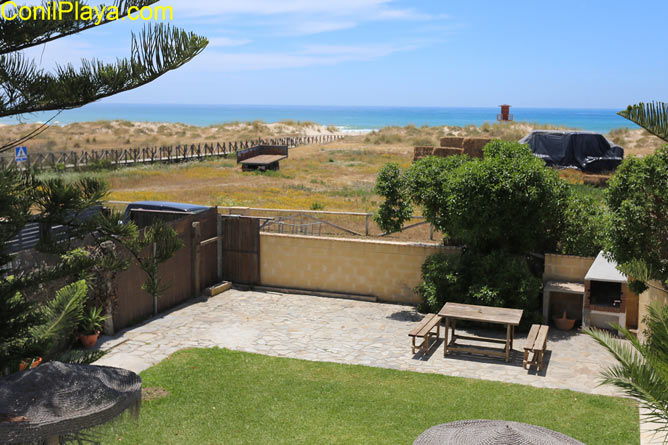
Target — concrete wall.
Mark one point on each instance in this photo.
(384, 269)
(566, 267)
(653, 294)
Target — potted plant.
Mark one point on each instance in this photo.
(91, 323)
(30, 363)
(564, 323)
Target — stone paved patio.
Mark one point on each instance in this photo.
(343, 331)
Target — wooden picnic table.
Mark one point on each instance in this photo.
(452, 312)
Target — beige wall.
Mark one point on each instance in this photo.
(384, 269)
(654, 293)
(566, 267)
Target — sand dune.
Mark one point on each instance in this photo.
(125, 134)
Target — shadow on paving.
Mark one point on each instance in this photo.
(516, 356)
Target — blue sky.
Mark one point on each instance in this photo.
(586, 53)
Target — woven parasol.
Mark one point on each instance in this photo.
(491, 432)
(56, 400)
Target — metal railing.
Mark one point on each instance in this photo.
(321, 222)
(309, 218)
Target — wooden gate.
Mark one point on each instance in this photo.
(241, 249)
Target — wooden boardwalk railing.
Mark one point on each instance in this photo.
(149, 155)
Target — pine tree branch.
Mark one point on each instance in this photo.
(653, 117)
(26, 137)
(157, 50)
(16, 35)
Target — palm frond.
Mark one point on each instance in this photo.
(62, 315)
(653, 117)
(25, 88)
(642, 369)
(81, 357)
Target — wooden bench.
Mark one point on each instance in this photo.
(536, 344)
(426, 330)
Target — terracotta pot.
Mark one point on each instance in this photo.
(32, 364)
(563, 323)
(89, 341)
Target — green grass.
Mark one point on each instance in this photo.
(219, 396)
(598, 193)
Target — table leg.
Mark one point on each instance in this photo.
(512, 337)
(445, 341)
(508, 342)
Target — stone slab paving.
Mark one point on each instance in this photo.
(343, 331)
(648, 431)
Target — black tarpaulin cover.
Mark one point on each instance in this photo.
(586, 151)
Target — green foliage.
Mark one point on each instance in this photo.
(502, 208)
(155, 51)
(17, 317)
(81, 356)
(61, 203)
(638, 273)
(495, 279)
(61, 317)
(164, 242)
(395, 210)
(100, 165)
(16, 198)
(653, 117)
(26, 328)
(317, 205)
(509, 200)
(21, 34)
(45, 329)
(642, 369)
(637, 197)
(584, 226)
(92, 321)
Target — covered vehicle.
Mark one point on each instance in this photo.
(586, 151)
(163, 206)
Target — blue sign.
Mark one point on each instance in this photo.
(21, 154)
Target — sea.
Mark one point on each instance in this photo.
(346, 118)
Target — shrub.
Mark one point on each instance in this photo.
(317, 205)
(495, 279)
(395, 210)
(584, 227)
(637, 196)
(509, 200)
(101, 165)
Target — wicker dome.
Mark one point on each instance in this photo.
(492, 432)
(57, 399)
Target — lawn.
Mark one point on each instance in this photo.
(217, 396)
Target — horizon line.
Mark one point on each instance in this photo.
(356, 106)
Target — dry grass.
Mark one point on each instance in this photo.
(334, 177)
(635, 142)
(125, 134)
(338, 176)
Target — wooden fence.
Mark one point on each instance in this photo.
(149, 155)
(192, 268)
